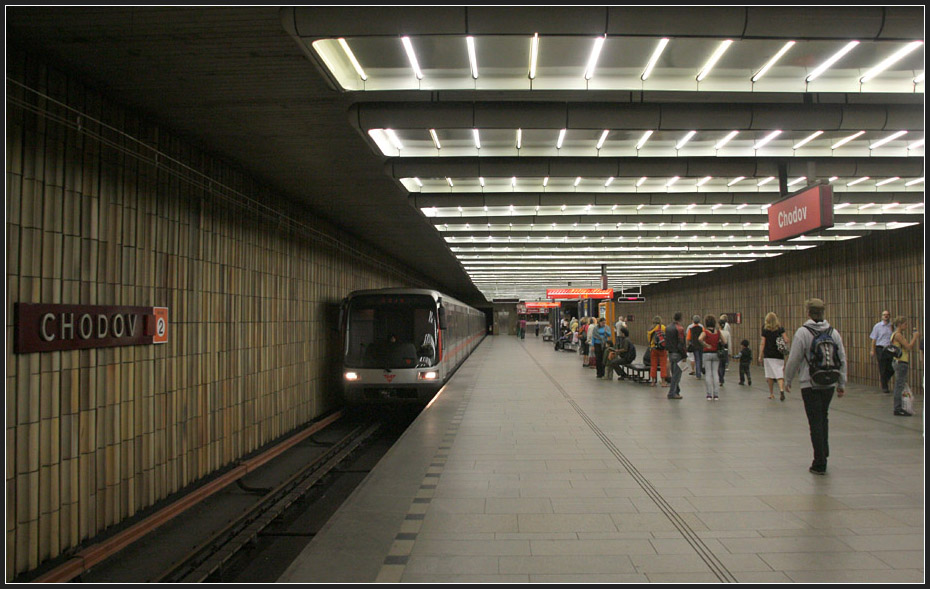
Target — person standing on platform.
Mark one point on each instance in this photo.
(710, 346)
(745, 362)
(537, 327)
(675, 341)
(725, 343)
(591, 360)
(601, 338)
(694, 348)
(902, 364)
(657, 351)
(816, 396)
(773, 357)
(881, 339)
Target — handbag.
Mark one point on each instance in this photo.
(782, 345)
(893, 351)
(907, 399)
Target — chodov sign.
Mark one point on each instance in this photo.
(808, 210)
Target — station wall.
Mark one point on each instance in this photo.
(105, 207)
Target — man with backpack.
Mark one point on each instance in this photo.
(818, 354)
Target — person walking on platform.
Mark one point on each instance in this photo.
(745, 362)
(772, 353)
(710, 346)
(601, 337)
(675, 340)
(817, 365)
(694, 348)
(901, 365)
(725, 344)
(881, 339)
(657, 351)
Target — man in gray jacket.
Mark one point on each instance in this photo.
(816, 397)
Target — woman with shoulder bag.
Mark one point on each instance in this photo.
(773, 347)
(710, 344)
(899, 340)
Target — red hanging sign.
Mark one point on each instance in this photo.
(809, 210)
(579, 293)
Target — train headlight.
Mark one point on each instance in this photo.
(351, 376)
(429, 375)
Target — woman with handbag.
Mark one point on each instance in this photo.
(901, 365)
(710, 344)
(773, 347)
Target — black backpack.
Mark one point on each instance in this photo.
(824, 359)
(630, 355)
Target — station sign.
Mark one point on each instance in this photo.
(542, 305)
(630, 299)
(579, 293)
(49, 328)
(808, 210)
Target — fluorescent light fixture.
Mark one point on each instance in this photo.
(870, 223)
(864, 207)
(916, 144)
(807, 139)
(481, 181)
(890, 205)
(846, 140)
(417, 180)
(474, 132)
(655, 58)
(726, 139)
(742, 206)
(833, 59)
(915, 181)
(513, 182)
(891, 60)
(735, 180)
(772, 61)
(914, 206)
(891, 137)
(395, 140)
(449, 180)
(888, 181)
(714, 58)
(534, 55)
(639, 207)
(919, 79)
(600, 142)
(685, 139)
(472, 58)
(519, 138)
(691, 206)
(351, 56)
(854, 182)
(595, 53)
(558, 143)
(545, 181)
(765, 181)
(765, 140)
(412, 57)
(672, 181)
(797, 180)
(640, 181)
(841, 206)
(850, 224)
(643, 139)
(577, 181)
(432, 133)
(704, 180)
(665, 206)
(833, 179)
(716, 206)
(606, 184)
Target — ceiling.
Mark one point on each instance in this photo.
(529, 148)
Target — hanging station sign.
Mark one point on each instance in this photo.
(579, 293)
(809, 210)
(49, 328)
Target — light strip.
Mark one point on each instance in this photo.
(655, 58)
(558, 144)
(595, 53)
(432, 133)
(915, 181)
(480, 181)
(797, 181)
(726, 139)
(843, 142)
(643, 139)
(534, 55)
(835, 58)
(919, 78)
(713, 59)
(609, 180)
(735, 180)
(640, 181)
(408, 47)
(600, 142)
(472, 58)
(772, 61)
(394, 139)
(841, 206)
(519, 138)
(854, 182)
(915, 145)
(672, 181)
(577, 181)
(351, 56)
(475, 133)
(765, 181)
(807, 139)
(888, 181)
(704, 180)
(891, 137)
(449, 180)
(894, 58)
(685, 139)
(765, 140)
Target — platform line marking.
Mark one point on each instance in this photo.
(705, 553)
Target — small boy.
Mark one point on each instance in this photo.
(745, 360)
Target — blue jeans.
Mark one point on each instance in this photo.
(698, 363)
(900, 379)
(674, 358)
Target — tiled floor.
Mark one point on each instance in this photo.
(529, 469)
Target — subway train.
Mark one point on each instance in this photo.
(401, 345)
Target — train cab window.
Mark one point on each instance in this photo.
(386, 331)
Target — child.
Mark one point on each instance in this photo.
(745, 360)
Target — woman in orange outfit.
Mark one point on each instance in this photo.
(658, 351)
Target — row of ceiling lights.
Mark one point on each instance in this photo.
(395, 141)
(598, 45)
(702, 181)
(592, 209)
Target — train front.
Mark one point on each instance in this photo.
(391, 349)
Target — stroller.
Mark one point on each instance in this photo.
(547, 333)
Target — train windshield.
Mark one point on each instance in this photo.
(391, 331)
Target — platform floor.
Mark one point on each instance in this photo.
(527, 468)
